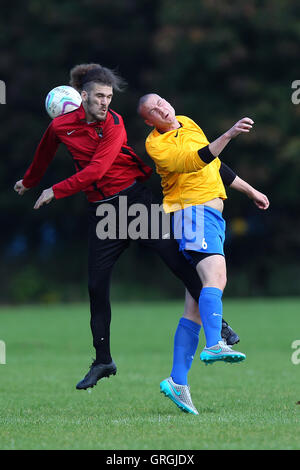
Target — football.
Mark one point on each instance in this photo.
(61, 100)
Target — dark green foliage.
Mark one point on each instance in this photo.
(217, 62)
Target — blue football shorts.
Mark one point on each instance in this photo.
(199, 231)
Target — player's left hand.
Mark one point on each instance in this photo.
(20, 188)
(242, 126)
(260, 200)
(46, 197)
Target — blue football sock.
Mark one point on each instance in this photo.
(185, 345)
(210, 307)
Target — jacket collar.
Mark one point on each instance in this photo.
(81, 113)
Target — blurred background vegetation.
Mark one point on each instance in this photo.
(217, 61)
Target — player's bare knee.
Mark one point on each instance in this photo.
(223, 281)
(218, 280)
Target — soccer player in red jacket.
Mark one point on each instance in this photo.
(106, 168)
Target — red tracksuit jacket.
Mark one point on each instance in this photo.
(104, 162)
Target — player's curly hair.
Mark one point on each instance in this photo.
(83, 75)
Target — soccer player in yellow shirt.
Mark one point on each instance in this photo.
(194, 194)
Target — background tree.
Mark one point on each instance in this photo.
(217, 61)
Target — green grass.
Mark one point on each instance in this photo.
(251, 405)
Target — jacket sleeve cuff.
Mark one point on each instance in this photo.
(56, 192)
(27, 186)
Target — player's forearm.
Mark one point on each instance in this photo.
(242, 126)
(34, 174)
(242, 186)
(84, 178)
(218, 145)
(259, 199)
(93, 172)
(42, 158)
(76, 183)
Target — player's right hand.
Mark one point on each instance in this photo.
(260, 199)
(20, 188)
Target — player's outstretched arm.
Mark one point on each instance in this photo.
(20, 188)
(259, 199)
(179, 160)
(242, 126)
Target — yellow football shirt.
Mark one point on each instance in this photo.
(186, 180)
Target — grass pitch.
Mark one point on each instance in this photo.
(251, 405)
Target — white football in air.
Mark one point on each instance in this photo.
(61, 100)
